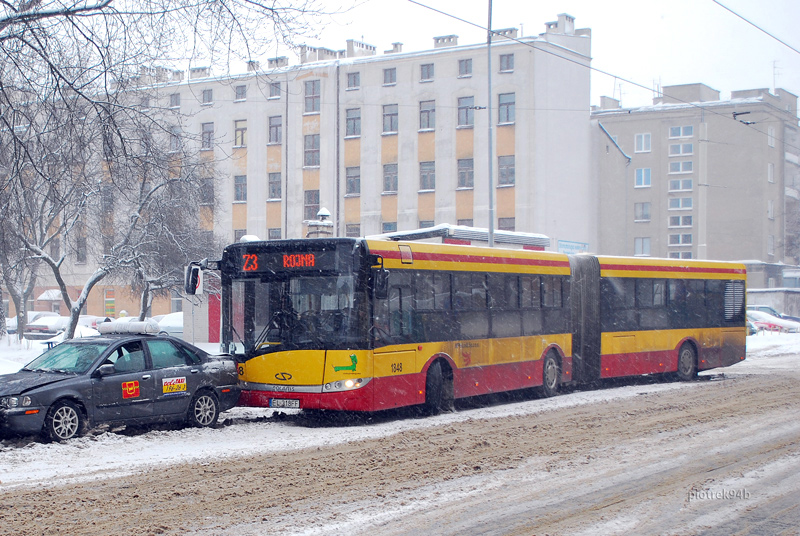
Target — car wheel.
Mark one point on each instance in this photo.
(64, 421)
(204, 410)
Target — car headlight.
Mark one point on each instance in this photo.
(15, 402)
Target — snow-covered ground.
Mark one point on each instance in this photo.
(28, 462)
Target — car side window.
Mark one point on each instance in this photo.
(129, 357)
(164, 354)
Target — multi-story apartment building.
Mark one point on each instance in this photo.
(703, 177)
(400, 141)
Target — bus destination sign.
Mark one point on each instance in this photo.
(278, 261)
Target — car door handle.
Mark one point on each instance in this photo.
(194, 371)
(146, 377)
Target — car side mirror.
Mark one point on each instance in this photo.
(105, 370)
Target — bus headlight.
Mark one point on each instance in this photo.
(345, 385)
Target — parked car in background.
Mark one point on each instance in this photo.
(45, 327)
(127, 375)
(33, 316)
(769, 310)
(768, 322)
(172, 324)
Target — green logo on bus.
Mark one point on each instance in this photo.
(352, 366)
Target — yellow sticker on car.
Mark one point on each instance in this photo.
(173, 385)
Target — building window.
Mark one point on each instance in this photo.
(55, 248)
(80, 250)
(466, 173)
(641, 247)
(466, 111)
(681, 149)
(174, 139)
(642, 143)
(427, 175)
(353, 175)
(353, 80)
(684, 239)
(641, 212)
(390, 178)
(680, 203)
(389, 77)
(680, 221)
(506, 224)
(389, 118)
(274, 90)
(311, 155)
(680, 185)
(389, 227)
(506, 63)
(681, 132)
(311, 204)
(770, 172)
(240, 188)
(424, 224)
(680, 254)
(207, 136)
(274, 233)
(312, 96)
(465, 222)
(506, 108)
(353, 122)
(685, 166)
(207, 97)
(175, 100)
(352, 230)
(464, 68)
(506, 173)
(238, 234)
(240, 93)
(274, 186)
(207, 191)
(426, 72)
(642, 178)
(427, 115)
(771, 209)
(771, 136)
(240, 133)
(771, 245)
(275, 129)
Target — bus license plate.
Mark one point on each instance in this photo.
(284, 403)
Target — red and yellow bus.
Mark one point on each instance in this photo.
(367, 325)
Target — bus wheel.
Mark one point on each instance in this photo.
(434, 389)
(550, 375)
(687, 363)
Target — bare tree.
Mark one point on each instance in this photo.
(80, 142)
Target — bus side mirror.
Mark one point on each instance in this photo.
(381, 284)
(191, 283)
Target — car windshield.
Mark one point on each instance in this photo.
(67, 357)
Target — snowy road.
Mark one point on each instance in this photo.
(646, 459)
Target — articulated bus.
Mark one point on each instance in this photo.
(367, 325)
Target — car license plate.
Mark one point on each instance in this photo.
(284, 403)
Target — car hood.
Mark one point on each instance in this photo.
(23, 381)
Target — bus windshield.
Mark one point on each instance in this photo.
(299, 311)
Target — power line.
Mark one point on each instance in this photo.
(756, 26)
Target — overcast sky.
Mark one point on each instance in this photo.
(647, 42)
